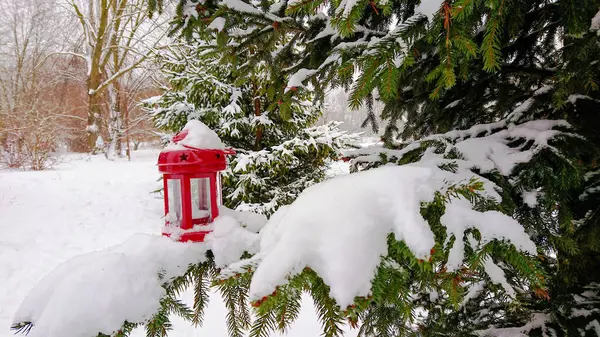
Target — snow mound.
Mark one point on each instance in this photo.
(251, 221)
(339, 229)
(200, 136)
(229, 240)
(96, 292)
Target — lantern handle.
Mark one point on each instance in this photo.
(180, 136)
(225, 151)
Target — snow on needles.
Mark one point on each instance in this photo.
(492, 225)
(218, 23)
(344, 234)
(299, 77)
(95, 292)
(339, 229)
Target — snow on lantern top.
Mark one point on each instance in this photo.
(195, 149)
(197, 135)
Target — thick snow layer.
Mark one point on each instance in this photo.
(73, 301)
(253, 222)
(230, 240)
(343, 236)
(485, 147)
(339, 228)
(100, 290)
(491, 224)
(473, 292)
(200, 136)
(84, 205)
(88, 204)
(594, 325)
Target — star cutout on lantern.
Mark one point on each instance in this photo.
(183, 157)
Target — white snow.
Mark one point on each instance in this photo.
(530, 198)
(594, 325)
(200, 136)
(85, 205)
(300, 76)
(343, 236)
(345, 7)
(589, 191)
(584, 312)
(538, 320)
(72, 301)
(520, 110)
(574, 97)
(218, 24)
(92, 128)
(493, 153)
(276, 7)
(496, 274)
(329, 30)
(241, 6)
(453, 104)
(492, 225)
(473, 292)
(595, 26)
(253, 222)
(230, 240)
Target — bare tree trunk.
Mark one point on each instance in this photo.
(93, 122)
(115, 122)
(128, 149)
(114, 31)
(95, 73)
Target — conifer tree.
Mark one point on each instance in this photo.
(456, 64)
(499, 97)
(279, 150)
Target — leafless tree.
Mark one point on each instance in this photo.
(30, 111)
(118, 37)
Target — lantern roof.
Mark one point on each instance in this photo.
(196, 149)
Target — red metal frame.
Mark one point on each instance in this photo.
(189, 163)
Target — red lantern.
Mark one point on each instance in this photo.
(192, 187)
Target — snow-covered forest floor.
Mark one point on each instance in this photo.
(88, 204)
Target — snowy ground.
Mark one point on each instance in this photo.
(88, 204)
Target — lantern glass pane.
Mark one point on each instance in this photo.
(174, 196)
(200, 188)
